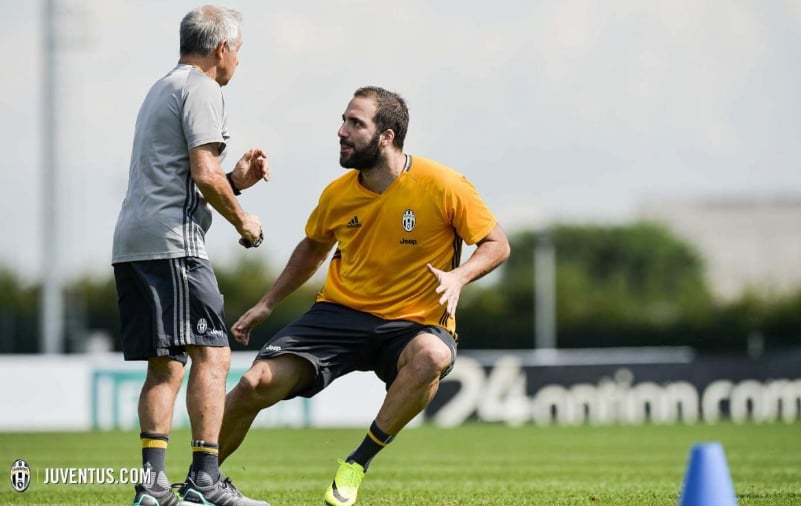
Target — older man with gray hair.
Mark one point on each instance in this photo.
(169, 301)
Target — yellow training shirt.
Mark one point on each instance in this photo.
(385, 241)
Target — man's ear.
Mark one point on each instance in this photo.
(388, 135)
(221, 49)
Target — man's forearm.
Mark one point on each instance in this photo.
(486, 258)
(218, 193)
(491, 252)
(304, 262)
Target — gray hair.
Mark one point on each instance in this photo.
(203, 28)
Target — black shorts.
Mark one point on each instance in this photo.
(338, 340)
(168, 304)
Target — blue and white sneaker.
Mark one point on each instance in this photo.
(155, 496)
(221, 493)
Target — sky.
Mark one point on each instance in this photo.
(557, 110)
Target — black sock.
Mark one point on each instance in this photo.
(154, 453)
(205, 465)
(373, 442)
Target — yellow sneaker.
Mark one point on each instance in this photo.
(342, 491)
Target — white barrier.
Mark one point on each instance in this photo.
(81, 392)
(100, 391)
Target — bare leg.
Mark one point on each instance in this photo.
(264, 384)
(157, 400)
(205, 393)
(156, 403)
(419, 367)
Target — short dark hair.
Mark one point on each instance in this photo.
(391, 111)
(203, 28)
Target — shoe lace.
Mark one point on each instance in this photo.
(349, 476)
(228, 484)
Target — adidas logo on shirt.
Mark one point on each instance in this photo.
(354, 222)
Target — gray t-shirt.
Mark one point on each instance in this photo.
(164, 215)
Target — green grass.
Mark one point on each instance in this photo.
(470, 465)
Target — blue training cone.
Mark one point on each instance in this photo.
(707, 482)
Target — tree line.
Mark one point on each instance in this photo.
(626, 285)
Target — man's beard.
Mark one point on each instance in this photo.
(362, 159)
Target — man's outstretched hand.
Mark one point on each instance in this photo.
(250, 169)
(245, 324)
(450, 286)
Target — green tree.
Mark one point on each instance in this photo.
(19, 314)
(782, 324)
(630, 285)
(615, 285)
(91, 305)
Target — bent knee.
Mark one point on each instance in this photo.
(252, 390)
(271, 380)
(281, 373)
(257, 378)
(434, 359)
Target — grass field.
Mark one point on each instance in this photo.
(470, 465)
